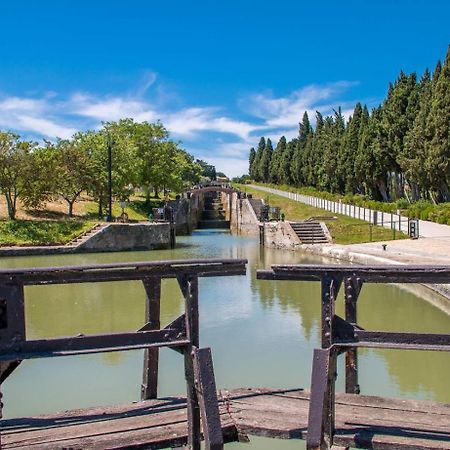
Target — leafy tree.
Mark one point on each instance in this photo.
(14, 164)
(74, 172)
(208, 170)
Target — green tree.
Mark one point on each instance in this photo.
(251, 161)
(414, 156)
(438, 129)
(74, 172)
(258, 158)
(276, 161)
(264, 163)
(348, 150)
(14, 164)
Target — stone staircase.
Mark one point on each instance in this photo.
(310, 232)
(213, 215)
(97, 228)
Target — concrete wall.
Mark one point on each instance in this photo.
(243, 217)
(131, 236)
(280, 235)
(187, 212)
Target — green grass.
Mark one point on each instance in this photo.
(344, 230)
(137, 209)
(41, 232)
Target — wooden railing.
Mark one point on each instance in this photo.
(345, 336)
(181, 335)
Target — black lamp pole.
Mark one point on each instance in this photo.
(110, 144)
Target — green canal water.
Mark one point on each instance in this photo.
(262, 333)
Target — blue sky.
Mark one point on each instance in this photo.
(218, 74)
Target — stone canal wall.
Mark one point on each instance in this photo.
(115, 237)
(187, 213)
(129, 236)
(280, 235)
(243, 217)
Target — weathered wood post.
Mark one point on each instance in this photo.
(189, 287)
(352, 289)
(323, 376)
(149, 388)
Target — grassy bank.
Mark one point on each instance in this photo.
(344, 230)
(41, 232)
(421, 209)
(52, 226)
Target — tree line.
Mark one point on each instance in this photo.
(142, 156)
(401, 149)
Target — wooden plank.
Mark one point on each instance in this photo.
(149, 387)
(122, 271)
(207, 395)
(361, 421)
(370, 274)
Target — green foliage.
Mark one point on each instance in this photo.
(15, 168)
(243, 179)
(31, 232)
(398, 152)
(344, 230)
(142, 155)
(207, 170)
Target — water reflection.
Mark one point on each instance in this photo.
(262, 333)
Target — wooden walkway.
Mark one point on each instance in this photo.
(361, 421)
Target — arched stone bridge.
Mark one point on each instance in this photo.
(204, 189)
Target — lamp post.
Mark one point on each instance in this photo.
(109, 145)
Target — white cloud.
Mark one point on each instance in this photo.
(109, 108)
(29, 115)
(190, 121)
(220, 138)
(232, 167)
(288, 111)
(17, 104)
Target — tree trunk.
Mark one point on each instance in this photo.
(156, 192)
(11, 203)
(70, 207)
(415, 192)
(445, 193)
(100, 206)
(381, 185)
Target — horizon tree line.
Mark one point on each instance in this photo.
(400, 149)
(143, 156)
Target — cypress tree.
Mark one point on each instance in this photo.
(257, 161)
(251, 161)
(349, 149)
(264, 162)
(438, 128)
(276, 162)
(286, 162)
(414, 155)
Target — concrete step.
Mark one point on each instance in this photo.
(309, 232)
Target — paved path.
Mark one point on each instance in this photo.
(426, 229)
(433, 247)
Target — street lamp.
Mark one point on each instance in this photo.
(109, 144)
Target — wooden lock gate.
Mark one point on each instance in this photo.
(345, 336)
(182, 335)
